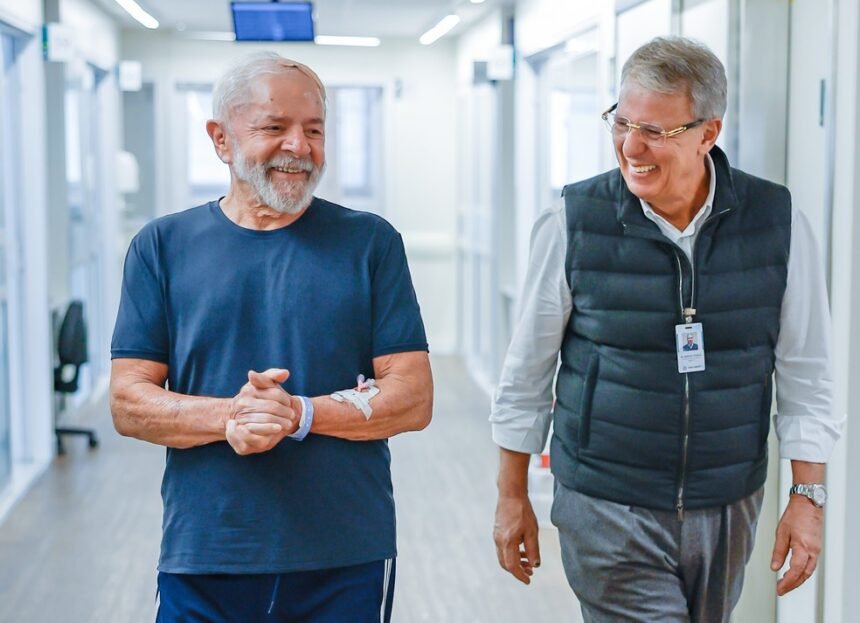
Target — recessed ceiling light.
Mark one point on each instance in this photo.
(364, 42)
(439, 30)
(133, 8)
(209, 35)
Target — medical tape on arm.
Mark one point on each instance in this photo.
(359, 397)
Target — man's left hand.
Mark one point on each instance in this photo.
(799, 531)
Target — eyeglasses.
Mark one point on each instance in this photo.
(652, 134)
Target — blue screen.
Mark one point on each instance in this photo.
(273, 21)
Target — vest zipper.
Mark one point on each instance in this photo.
(686, 314)
(684, 448)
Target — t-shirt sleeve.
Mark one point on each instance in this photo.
(141, 325)
(397, 323)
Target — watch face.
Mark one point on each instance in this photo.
(819, 495)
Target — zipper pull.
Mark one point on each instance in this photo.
(680, 507)
(689, 312)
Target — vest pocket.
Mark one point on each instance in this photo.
(587, 398)
(764, 410)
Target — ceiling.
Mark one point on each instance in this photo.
(369, 18)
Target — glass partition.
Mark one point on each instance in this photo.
(9, 177)
(84, 163)
(573, 144)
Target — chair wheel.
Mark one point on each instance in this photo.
(93, 442)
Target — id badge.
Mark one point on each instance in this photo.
(690, 346)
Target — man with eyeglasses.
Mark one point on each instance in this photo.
(660, 451)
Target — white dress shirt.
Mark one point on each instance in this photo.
(805, 423)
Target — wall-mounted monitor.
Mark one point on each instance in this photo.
(273, 21)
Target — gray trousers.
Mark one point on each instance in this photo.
(629, 564)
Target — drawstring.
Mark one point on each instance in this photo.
(274, 593)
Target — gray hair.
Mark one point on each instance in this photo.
(234, 87)
(672, 65)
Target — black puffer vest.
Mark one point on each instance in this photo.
(627, 426)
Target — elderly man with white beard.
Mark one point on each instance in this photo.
(272, 342)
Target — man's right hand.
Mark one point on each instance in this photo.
(516, 536)
(516, 529)
(262, 413)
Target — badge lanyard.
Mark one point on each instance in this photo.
(689, 342)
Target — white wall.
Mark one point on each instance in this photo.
(542, 24)
(478, 44)
(419, 139)
(95, 34)
(841, 564)
(24, 15)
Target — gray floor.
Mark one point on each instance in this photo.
(82, 546)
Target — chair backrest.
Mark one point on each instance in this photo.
(72, 339)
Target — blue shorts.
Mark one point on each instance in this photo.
(358, 594)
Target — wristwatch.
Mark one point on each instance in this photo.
(816, 493)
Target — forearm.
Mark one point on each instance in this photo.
(513, 473)
(401, 405)
(804, 472)
(145, 411)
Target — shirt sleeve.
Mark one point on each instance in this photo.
(397, 323)
(141, 329)
(522, 402)
(805, 423)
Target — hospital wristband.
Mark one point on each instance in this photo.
(306, 419)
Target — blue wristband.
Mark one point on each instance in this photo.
(306, 420)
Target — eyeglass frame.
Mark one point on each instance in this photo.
(666, 134)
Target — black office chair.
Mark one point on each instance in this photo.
(71, 355)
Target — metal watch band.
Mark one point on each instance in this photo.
(815, 492)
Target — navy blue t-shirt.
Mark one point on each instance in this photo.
(321, 297)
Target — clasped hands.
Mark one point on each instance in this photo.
(262, 413)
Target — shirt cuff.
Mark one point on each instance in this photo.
(803, 438)
(529, 441)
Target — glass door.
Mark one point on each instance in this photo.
(8, 253)
(86, 254)
(573, 146)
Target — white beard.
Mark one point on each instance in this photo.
(284, 197)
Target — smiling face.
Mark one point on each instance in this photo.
(672, 177)
(275, 142)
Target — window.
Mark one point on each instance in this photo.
(354, 119)
(354, 148)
